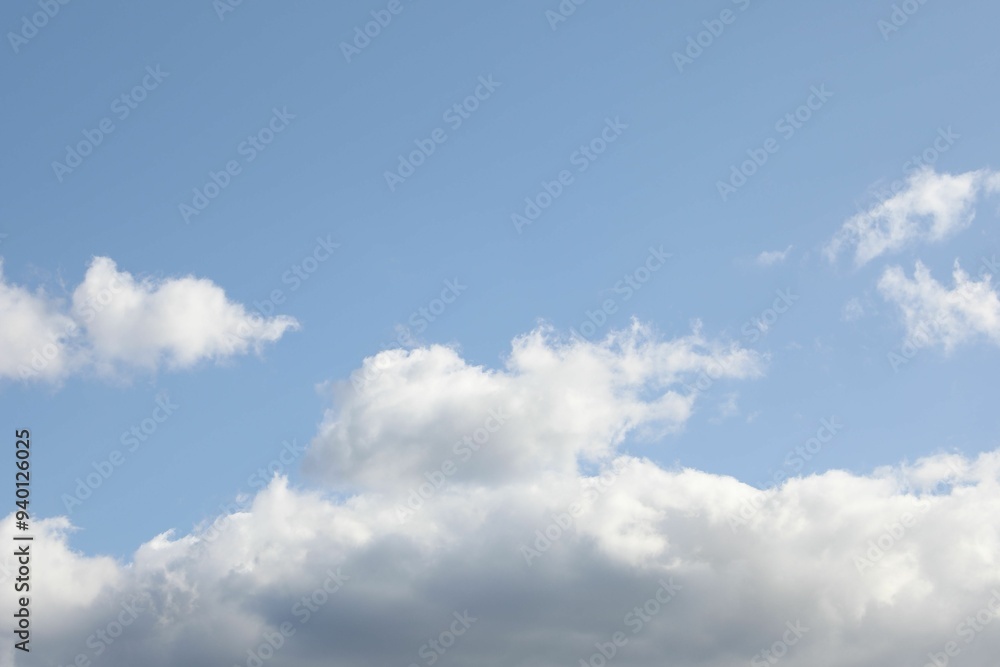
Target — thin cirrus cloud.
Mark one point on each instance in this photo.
(935, 315)
(878, 568)
(114, 324)
(931, 208)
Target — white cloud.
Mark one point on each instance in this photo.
(877, 569)
(881, 569)
(772, 257)
(935, 315)
(853, 310)
(931, 208)
(555, 401)
(730, 407)
(115, 324)
(33, 328)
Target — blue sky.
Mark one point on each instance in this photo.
(344, 122)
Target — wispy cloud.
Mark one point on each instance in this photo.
(936, 315)
(772, 257)
(931, 208)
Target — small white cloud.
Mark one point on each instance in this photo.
(853, 310)
(935, 315)
(772, 257)
(116, 324)
(931, 208)
(731, 406)
(176, 322)
(728, 408)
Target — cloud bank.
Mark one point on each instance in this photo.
(592, 555)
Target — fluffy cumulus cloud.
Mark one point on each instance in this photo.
(114, 323)
(555, 403)
(868, 570)
(573, 561)
(935, 315)
(33, 326)
(930, 208)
